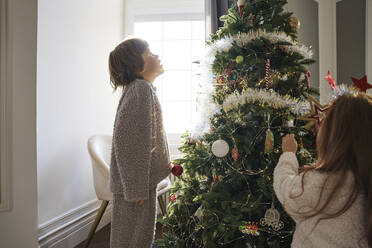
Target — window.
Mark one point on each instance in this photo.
(179, 40)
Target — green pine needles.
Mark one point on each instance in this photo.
(260, 86)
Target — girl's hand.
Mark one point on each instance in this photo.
(289, 143)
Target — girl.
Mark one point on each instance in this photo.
(331, 201)
(139, 158)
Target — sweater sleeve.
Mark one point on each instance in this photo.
(133, 141)
(288, 186)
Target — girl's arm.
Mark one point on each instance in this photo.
(295, 193)
(133, 141)
(288, 183)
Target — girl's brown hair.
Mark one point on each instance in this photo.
(344, 143)
(126, 63)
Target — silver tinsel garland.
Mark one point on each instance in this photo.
(207, 107)
(344, 89)
(268, 97)
(242, 39)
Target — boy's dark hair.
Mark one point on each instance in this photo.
(125, 62)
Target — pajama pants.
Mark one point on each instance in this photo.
(133, 225)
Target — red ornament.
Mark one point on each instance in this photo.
(307, 76)
(220, 79)
(229, 69)
(319, 114)
(177, 170)
(172, 198)
(241, 6)
(249, 226)
(284, 49)
(362, 84)
(214, 176)
(331, 81)
(252, 229)
(214, 179)
(235, 153)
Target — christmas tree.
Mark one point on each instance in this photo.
(260, 87)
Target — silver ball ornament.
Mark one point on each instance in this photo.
(220, 148)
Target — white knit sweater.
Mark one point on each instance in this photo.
(345, 231)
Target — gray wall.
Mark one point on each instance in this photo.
(307, 12)
(18, 227)
(351, 50)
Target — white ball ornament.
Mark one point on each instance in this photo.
(220, 148)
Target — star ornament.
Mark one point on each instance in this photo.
(318, 112)
(331, 80)
(361, 84)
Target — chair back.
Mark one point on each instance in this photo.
(99, 147)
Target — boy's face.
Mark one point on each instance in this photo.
(152, 64)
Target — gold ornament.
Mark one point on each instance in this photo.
(198, 144)
(199, 213)
(273, 79)
(294, 22)
(269, 141)
(317, 113)
(272, 219)
(239, 59)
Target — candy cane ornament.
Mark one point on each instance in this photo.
(241, 6)
(267, 73)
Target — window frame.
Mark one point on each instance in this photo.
(5, 113)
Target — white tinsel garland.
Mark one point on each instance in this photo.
(344, 89)
(224, 44)
(251, 95)
(207, 107)
(269, 97)
(273, 37)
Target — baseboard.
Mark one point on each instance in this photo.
(72, 228)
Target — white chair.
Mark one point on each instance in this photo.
(99, 147)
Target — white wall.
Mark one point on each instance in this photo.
(18, 227)
(74, 97)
